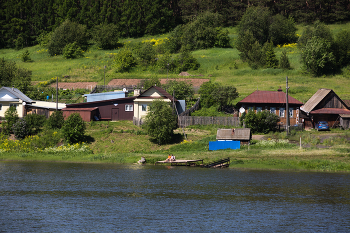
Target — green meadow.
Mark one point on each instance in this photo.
(219, 64)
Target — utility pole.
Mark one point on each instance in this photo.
(56, 94)
(104, 74)
(287, 107)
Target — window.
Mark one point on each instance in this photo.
(0, 106)
(290, 112)
(273, 110)
(281, 112)
(129, 107)
(144, 107)
(258, 109)
(250, 109)
(13, 105)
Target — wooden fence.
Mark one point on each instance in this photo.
(192, 109)
(185, 121)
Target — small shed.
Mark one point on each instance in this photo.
(231, 139)
(87, 114)
(345, 121)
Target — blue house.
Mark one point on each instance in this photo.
(230, 139)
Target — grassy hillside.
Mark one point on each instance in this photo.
(221, 65)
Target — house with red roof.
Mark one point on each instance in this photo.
(273, 101)
(325, 105)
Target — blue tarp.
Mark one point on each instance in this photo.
(221, 145)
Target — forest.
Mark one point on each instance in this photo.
(22, 22)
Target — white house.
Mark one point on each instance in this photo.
(142, 102)
(13, 97)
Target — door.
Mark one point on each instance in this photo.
(115, 114)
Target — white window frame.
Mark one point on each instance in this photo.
(14, 105)
(273, 110)
(129, 108)
(282, 112)
(144, 107)
(258, 109)
(290, 112)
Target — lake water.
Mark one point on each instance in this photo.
(66, 197)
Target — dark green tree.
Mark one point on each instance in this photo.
(225, 95)
(146, 54)
(106, 36)
(34, 123)
(269, 56)
(282, 30)
(284, 61)
(260, 122)
(67, 33)
(11, 75)
(185, 61)
(207, 94)
(160, 122)
(150, 82)
(342, 48)
(74, 128)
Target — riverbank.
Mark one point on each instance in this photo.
(123, 143)
(327, 160)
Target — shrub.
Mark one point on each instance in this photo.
(146, 54)
(284, 61)
(11, 118)
(282, 30)
(20, 129)
(261, 122)
(185, 61)
(34, 123)
(124, 61)
(25, 56)
(106, 36)
(74, 128)
(183, 90)
(72, 51)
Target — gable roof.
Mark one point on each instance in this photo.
(269, 97)
(17, 93)
(312, 103)
(233, 134)
(158, 89)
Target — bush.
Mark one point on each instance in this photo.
(146, 54)
(106, 36)
(56, 120)
(261, 122)
(284, 61)
(124, 61)
(211, 111)
(185, 61)
(72, 51)
(34, 123)
(11, 118)
(25, 56)
(74, 128)
(20, 129)
(67, 33)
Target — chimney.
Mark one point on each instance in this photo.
(279, 89)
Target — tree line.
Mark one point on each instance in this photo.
(22, 22)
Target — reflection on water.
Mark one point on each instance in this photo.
(94, 197)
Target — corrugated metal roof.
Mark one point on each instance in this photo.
(315, 99)
(347, 102)
(18, 93)
(330, 111)
(233, 134)
(102, 101)
(269, 97)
